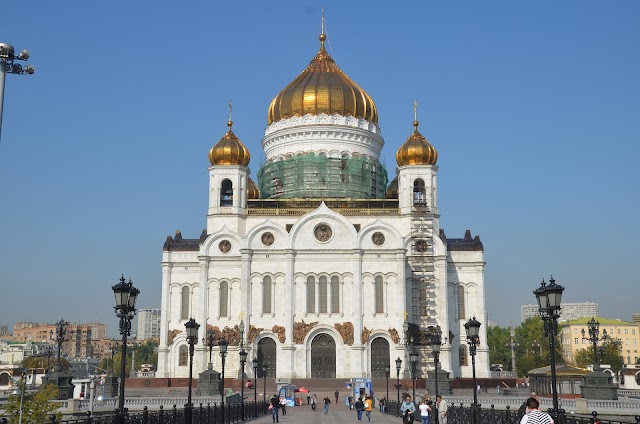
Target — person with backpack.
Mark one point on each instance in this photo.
(274, 404)
(326, 401)
(408, 409)
(359, 408)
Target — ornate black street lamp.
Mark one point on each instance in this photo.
(60, 336)
(126, 295)
(594, 338)
(243, 360)
(398, 385)
(436, 343)
(255, 384)
(9, 66)
(536, 348)
(265, 367)
(210, 341)
(472, 328)
(549, 297)
(49, 353)
(192, 339)
(222, 344)
(387, 372)
(413, 358)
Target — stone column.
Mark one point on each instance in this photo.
(165, 318)
(288, 349)
(200, 358)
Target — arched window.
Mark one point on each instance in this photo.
(379, 295)
(184, 303)
(266, 295)
(462, 313)
(226, 193)
(323, 292)
(462, 355)
(419, 191)
(224, 299)
(335, 294)
(183, 356)
(311, 295)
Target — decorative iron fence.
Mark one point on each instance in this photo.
(202, 414)
(460, 414)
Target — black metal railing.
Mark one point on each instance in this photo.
(462, 414)
(202, 414)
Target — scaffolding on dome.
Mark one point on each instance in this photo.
(313, 176)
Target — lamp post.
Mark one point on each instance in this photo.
(222, 344)
(192, 339)
(398, 385)
(243, 360)
(255, 384)
(436, 343)
(472, 328)
(405, 332)
(60, 336)
(413, 358)
(594, 338)
(265, 367)
(210, 341)
(23, 384)
(549, 297)
(536, 348)
(511, 344)
(126, 295)
(8, 66)
(49, 354)
(387, 372)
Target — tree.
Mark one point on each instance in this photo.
(532, 349)
(34, 362)
(608, 353)
(497, 339)
(147, 353)
(36, 406)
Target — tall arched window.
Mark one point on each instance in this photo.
(462, 355)
(379, 295)
(224, 299)
(419, 191)
(266, 295)
(311, 295)
(226, 193)
(183, 356)
(323, 292)
(184, 303)
(335, 294)
(462, 313)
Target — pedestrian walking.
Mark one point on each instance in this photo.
(283, 405)
(314, 401)
(308, 398)
(326, 401)
(424, 411)
(408, 409)
(350, 403)
(359, 408)
(534, 414)
(442, 409)
(383, 403)
(368, 407)
(274, 404)
(337, 394)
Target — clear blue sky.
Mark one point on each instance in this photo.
(534, 108)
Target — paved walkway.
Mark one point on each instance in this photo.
(338, 414)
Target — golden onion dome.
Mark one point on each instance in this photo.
(392, 189)
(416, 150)
(252, 191)
(322, 88)
(229, 150)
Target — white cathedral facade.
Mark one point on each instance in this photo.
(332, 269)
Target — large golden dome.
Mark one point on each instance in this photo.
(416, 150)
(229, 150)
(322, 88)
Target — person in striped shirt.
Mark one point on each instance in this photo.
(534, 415)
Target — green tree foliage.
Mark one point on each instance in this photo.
(608, 353)
(34, 362)
(497, 340)
(36, 406)
(147, 353)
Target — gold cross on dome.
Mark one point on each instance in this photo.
(405, 315)
(230, 109)
(241, 315)
(415, 110)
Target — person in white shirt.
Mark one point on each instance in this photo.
(442, 409)
(534, 415)
(424, 411)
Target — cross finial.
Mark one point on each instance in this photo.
(405, 315)
(415, 114)
(323, 36)
(230, 122)
(241, 315)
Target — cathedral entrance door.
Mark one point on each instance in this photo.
(323, 357)
(267, 356)
(379, 357)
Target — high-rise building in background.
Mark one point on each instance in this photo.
(78, 336)
(635, 317)
(569, 311)
(147, 324)
(4, 330)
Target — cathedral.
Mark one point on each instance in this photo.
(324, 267)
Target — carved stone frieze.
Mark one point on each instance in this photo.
(172, 335)
(280, 332)
(253, 333)
(346, 331)
(300, 330)
(394, 335)
(365, 335)
(335, 119)
(231, 335)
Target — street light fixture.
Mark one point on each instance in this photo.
(255, 385)
(222, 344)
(398, 385)
(60, 336)
(436, 343)
(413, 358)
(243, 360)
(536, 348)
(594, 338)
(265, 367)
(549, 297)
(472, 328)
(192, 339)
(387, 372)
(126, 295)
(210, 341)
(8, 66)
